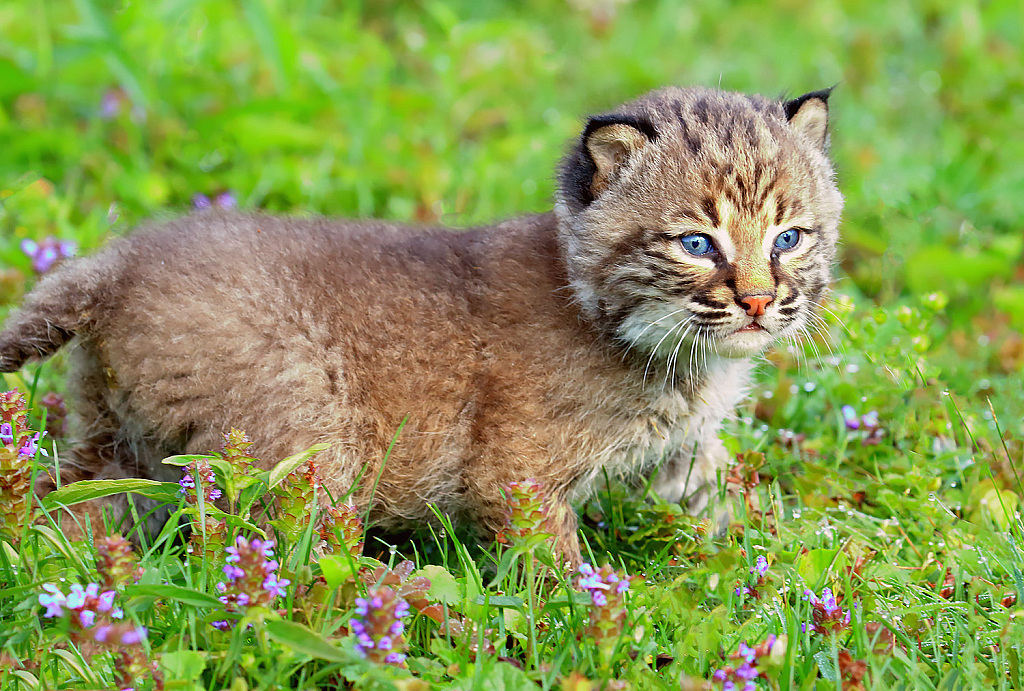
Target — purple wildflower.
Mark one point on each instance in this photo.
(850, 417)
(53, 600)
(378, 626)
(608, 614)
(226, 200)
(743, 676)
(747, 671)
(251, 575)
(199, 474)
(112, 103)
(828, 616)
(90, 614)
(200, 201)
(6, 433)
(46, 253)
(29, 446)
(134, 636)
(760, 567)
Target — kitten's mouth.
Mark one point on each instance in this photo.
(752, 326)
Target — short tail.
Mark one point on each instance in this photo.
(59, 307)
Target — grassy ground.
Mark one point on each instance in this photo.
(114, 112)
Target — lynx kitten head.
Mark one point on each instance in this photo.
(699, 219)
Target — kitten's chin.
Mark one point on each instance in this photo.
(744, 343)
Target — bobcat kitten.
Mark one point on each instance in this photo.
(692, 229)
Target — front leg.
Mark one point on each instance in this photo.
(691, 474)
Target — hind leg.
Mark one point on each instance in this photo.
(104, 448)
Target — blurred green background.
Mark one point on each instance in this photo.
(457, 111)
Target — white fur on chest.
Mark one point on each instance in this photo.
(670, 431)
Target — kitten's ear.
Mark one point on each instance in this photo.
(612, 141)
(808, 115)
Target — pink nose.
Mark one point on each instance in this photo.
(755, 304)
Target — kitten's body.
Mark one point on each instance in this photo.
(550, 347)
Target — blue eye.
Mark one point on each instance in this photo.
(788, 239)
(698, 245)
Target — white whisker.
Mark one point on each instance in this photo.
(648, 327)
(654, 352)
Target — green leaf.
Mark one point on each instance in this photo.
(185, 596)
(500, 601)
(815, 564)
(280, 471)
(184, 665)
(337, 569)
(188, 459)
(825, 665)
(443, 586)
(505, 677)
(87, 490)
(303, 640)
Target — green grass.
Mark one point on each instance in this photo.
(457, 112)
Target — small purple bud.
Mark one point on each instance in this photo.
(226, 200)
(200, 201)
(101, 633)
(394, 658)
(30, 446)
(747, 672)
(76, 598)
(828, 600)
(6, 433)
(110, 104)
(850, 417)
(44, 259)
(87, 618)
(134, 637)
(106, 601)
(760, 566)
(599, 598)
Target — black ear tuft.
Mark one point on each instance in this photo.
(580, 171)
(792, 107)
(645, 126)
(808, 115)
